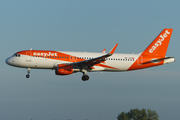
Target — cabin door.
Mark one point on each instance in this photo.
(28, 56)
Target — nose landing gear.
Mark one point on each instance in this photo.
(27, 76)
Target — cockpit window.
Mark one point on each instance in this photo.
(16, 55)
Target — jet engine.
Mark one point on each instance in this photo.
(64, 69)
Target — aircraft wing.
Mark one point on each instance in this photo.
(97, 60)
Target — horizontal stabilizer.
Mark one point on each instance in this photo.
(169, 59)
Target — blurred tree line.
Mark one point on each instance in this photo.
(136, 114)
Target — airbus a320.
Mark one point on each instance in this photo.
(66, 63)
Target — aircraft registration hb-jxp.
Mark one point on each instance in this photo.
(66, 63)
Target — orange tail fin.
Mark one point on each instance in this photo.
(160, 44)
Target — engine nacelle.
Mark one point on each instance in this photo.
(63, 69)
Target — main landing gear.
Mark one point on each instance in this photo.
(85, 77)
(27, 76)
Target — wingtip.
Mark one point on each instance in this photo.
(114, 48)
(104, 51)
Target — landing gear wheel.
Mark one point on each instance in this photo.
(85, 77)
(28, 71)
(27, 76)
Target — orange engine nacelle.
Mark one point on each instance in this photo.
(63, 69)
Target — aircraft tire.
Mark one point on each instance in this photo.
(85, 77)
(27, 76)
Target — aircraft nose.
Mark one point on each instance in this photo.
(8, 61)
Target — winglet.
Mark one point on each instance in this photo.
(113, 50)
(104, 51)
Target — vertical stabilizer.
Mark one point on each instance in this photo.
(160, 44)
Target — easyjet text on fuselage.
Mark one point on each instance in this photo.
(44, 54)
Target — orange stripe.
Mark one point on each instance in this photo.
(108, 66)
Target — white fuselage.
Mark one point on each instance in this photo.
(120, 61)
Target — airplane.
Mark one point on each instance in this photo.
(66, 63)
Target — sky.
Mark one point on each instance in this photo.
(87, 26)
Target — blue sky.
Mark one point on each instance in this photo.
(87, 26)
